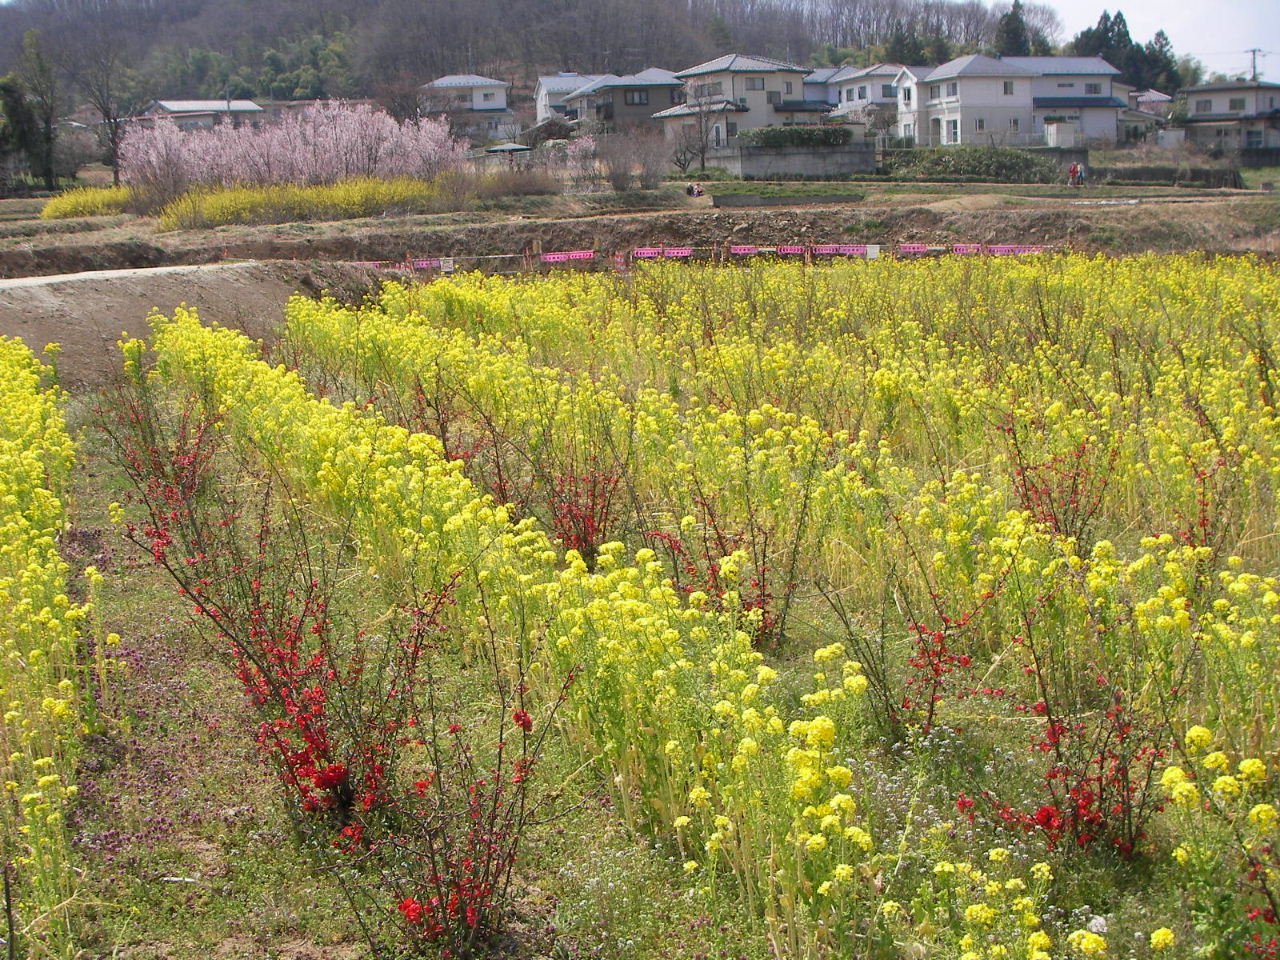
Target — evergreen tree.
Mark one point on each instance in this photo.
(1162, 65)
(904, 47)
(938, 50)
(44, 98)
(19, 132)
(1012, 36)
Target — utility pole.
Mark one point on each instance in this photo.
(1253, 58)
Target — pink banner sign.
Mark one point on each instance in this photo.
(678, 252)
(371, 263)
(646, 252)
(429, 264)
(966, 248)
(913, 248)
(827, 248)
(555, 257)
(791, 249)
(582, 254)
(744, 249)
(1010, 249)
(853, 249)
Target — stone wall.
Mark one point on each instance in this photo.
(770, 163)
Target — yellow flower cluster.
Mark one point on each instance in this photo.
(966, 453)
(40, 695)
(672, 695)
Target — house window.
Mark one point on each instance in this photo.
(886, 90)
(1013, 124)
(717, 138)
(906, 95)
(1204, 106)
(1253, 139)
(786, 86)
(708, 90)
(774, 96)
(489, 97)
(731, 128)
(953, 131)
(1093, 89)
(636, 98)
(862, 93)
(755, 83)
(1235, 103)
(953, 89)
(935, 91)
(1008, 88)
(980, 124)
(677, 95)
(1066, 84)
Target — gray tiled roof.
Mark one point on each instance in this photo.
(1053, 66)
(464, 80)
(207, 106)
(1232, 85)
(977, 65)
(648, 77)
(568, 82)
(739, 63)
(684, 110)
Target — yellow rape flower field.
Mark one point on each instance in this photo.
(889, 609)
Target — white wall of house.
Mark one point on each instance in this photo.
(489, 97)
(999, 109)
(756, 91)
(977, 110)
(1244, 101)
(1071, 85)
(864, 91)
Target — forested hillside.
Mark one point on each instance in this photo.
(318, 48)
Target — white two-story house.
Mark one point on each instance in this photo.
(475, 106)
(549, 92)
(970, 100)
(735, 93)
(1074, 90)
(984, 100)
(1233, 115)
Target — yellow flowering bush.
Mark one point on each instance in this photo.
(44, 704)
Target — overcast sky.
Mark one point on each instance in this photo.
(1215, 32)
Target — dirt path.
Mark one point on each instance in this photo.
(88, 312)
(1219, 224)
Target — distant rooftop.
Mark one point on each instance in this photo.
(1232, 85)
(822, 75)
(464, 80)
(1053, 66)
(688, 110)
(977, 65)
(568, 82)
(207, 106)
(648, 77)
(740, 63)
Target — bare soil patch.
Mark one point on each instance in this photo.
(88, 313)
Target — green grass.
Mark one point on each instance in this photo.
(1255, 177)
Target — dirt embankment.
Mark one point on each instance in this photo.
(1217, 226)
(88, 313)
